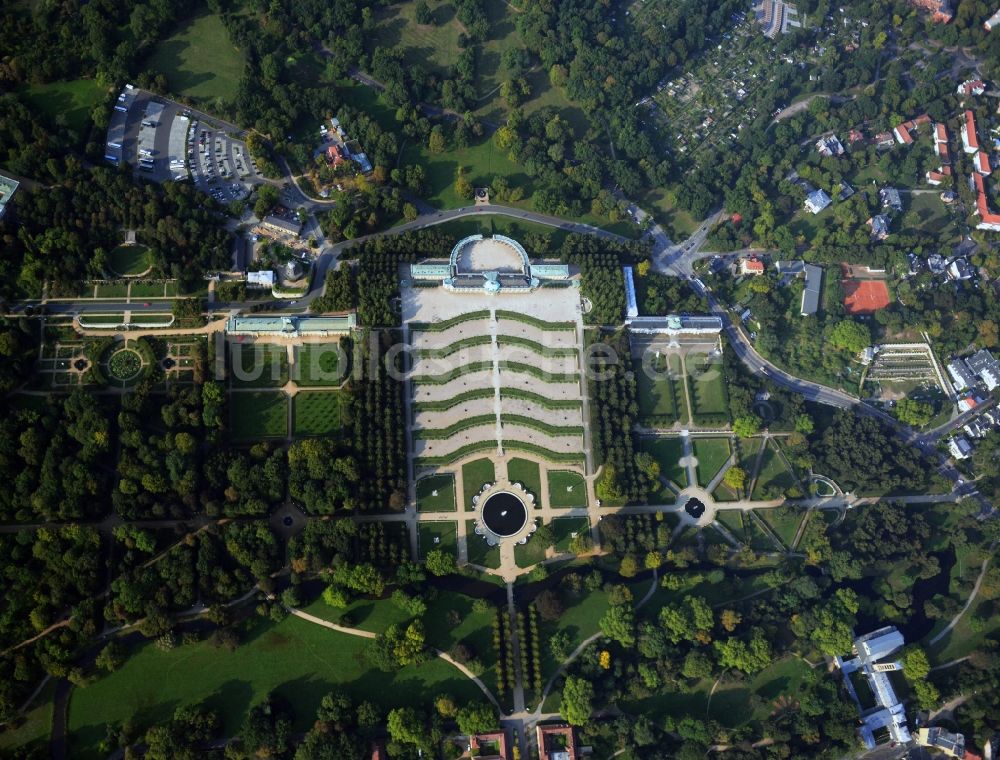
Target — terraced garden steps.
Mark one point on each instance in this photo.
(509, 446)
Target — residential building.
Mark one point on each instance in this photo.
(988, 220)
(982, 163)
(751, 265)
(983, 364)
(961, 376)
(8, 187)
(817, 200)
(334, 156)
(284, 226)
(952, 745)
(880, 226)
(886, 720)
(829, 146)
(903, 131)
(971, 87)
(936, 263)
(263, 279)
(937, 177)
(884, 140)
(557, 743)
(890, 198)
(969, 139)
(960, 447)
(941, 142)
(846, 191)
(491, 746)
(967, 404)
(854, 136)
(949, 196)
(813, 290)
(992, 22)
(960, 269)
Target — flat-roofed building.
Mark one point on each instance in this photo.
(290, 325)
(674, 324)
(631, 306)
(8, 186)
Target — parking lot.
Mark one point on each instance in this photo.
(166, 141)
(221, 165)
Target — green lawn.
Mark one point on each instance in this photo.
(258, 365)
(437, 535)
(708, 389)
(530, 553)
(668, 452)
(199, 60)
(774, 476)
(436, 493)
(318, 364)
(482, 162)
(72, 100)
(374, 615)
(474, 629)
(661, 391)
(526, 473)
(567, 489)
(434, 46)
(579, 619)
(784, 521)
(298, 661)
(129, 259)
(33, 729)
(712, 454)
(480, 553)
(258, 415)
(563, 529)
(475, 475)
(316, 412)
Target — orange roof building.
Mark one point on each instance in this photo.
(752, 265)
(988, 220)
(969, 139)
(982, 162)
(491, 746)
(557, 743)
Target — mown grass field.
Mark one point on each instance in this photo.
(299, 661)
(129, 259)
(480, 553)
(72, 100)
(668, 452)
(526, 473)
(436, 493)
(318, 364)
(316, 412)
(567, 489)
(33, 729)
(258, 415)
(773, 473)
(475, 475)
(258, 365)
(199, 60)
(711, 454)
(437, 535)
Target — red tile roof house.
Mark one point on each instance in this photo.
(752, 265)
(982, 162)
(939, 176)
(556, 743)
(378, 752)
(989, 220)
(969, 139)
(940, 10)
(492, 746)
(334, 156)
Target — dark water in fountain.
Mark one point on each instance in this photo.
(504, 514)
(695, 508)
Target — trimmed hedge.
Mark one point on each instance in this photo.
(541, 374)
(439, 434)
(542, 427)
(446, 377)
(514, 316)
(473, 448)
(542, 401)
(444, 324)
(440, 353)
(535, 347)
(448, 403)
